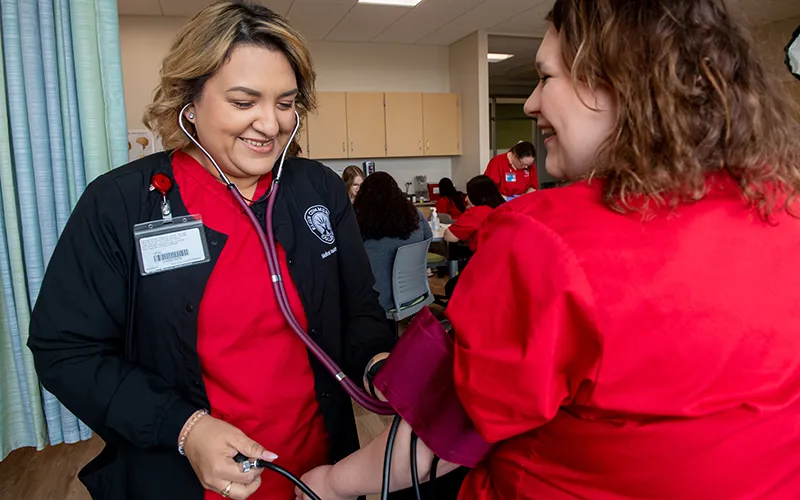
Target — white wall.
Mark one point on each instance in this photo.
(144, 41)
(355, 67)
(469, 76)
(370, 67)
(379, 67)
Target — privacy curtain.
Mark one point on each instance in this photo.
(62, 123)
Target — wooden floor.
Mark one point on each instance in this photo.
(52, 474)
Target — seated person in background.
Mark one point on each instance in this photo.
(482, 198)
(353, 177)
(514, 172)
(388, 220)
(451, 200)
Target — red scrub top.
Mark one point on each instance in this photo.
(613, 358)
(509, 180)
(445, 205)
(256, 370)
(466, 227)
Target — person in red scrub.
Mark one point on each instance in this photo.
(451, 201)
(514, 171)
(634, 334)
(172, 345)
(482, 198)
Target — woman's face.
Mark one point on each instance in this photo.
(521, 163)
(574, 131)
(355, 187)
(245, 113)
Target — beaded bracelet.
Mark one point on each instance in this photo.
(197, 416)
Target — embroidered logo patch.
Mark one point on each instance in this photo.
(318, 219)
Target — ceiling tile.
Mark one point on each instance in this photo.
(364, 22)
(530, 22)
(315, 18)
(139, 8)
(481, 17)
(278, 6)
(424, 19)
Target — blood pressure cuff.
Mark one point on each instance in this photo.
(417, 379)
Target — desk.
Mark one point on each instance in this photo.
(438, 235)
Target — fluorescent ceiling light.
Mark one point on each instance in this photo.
(499, 57)
(400, 3)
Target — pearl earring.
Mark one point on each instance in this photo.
(191, 116)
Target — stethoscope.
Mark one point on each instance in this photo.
(352, 389)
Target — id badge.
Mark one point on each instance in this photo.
(511, 177)
(168, 244)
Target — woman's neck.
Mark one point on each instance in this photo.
(246, 185)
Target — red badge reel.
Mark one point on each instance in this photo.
(161, 183)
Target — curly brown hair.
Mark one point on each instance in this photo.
(693, 98)
(205, 44)
(383, 211)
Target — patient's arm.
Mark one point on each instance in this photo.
(362, 472)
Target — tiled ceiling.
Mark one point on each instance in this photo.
(517, 76)
(432, 22)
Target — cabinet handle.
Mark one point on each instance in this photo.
(428, 144)
(353, 147)
(344, 147)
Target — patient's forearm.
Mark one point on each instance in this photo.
(362, 472)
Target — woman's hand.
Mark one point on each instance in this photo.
(210, 447)
(319, 482)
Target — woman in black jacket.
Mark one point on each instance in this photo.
(173, 343)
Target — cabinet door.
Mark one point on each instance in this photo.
(327, 127)
(441, 124)
(366, 125)
(404, 124)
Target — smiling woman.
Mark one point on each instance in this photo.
(151, 322)
(265, 72)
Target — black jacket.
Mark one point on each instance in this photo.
(119, 349)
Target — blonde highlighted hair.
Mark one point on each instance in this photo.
(204, 45)
(693, 98)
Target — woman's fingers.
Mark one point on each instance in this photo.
(229, 470)
(250, 448)
(239, 491)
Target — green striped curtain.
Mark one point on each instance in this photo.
(62, 123)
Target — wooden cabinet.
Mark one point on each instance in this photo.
(366, 125)
(327, 127)
(404, 124)
(441, 124)
(376, 125)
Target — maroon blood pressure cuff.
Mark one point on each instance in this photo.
(417, 380)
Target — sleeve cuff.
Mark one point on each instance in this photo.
(173, 421)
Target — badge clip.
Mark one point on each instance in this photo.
(162, 184)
